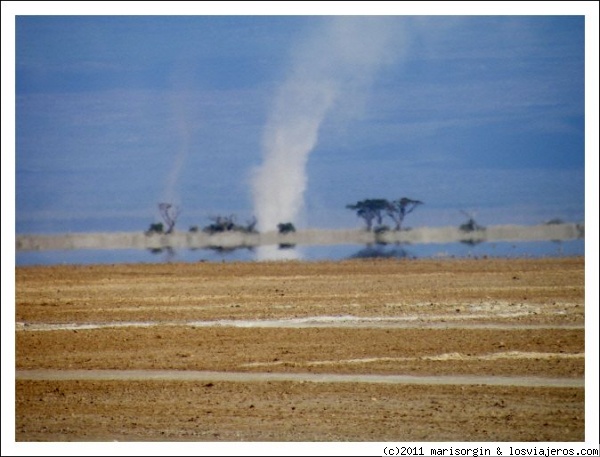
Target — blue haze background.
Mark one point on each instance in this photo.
(483, 114)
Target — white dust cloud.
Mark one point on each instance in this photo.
(336, 63)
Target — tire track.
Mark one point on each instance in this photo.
(511, 355)
(216, 376)
(407, 322)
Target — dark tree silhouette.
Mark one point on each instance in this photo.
(221, 224)
(251, 225)
(374, 209)
(370, 210)
(169, 213)
(398, 209)
(155, 228)
(471, 225)
(227, 224)
(286, 227)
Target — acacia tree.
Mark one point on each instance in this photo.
(398, 209)
(169, 213)
(370, 210)
(374, 209)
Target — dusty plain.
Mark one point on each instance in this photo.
(485, 350)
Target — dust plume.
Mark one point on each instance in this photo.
(179, 99)
(335, 64)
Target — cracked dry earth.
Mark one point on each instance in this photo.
(364, 350)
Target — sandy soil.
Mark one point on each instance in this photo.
(457, 326)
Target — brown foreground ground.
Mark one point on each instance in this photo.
(493, 350)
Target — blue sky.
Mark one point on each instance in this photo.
(115, 114)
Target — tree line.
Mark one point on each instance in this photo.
(371, 210)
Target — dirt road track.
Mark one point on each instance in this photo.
(210, 376)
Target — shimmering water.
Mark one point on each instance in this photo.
(307, 253)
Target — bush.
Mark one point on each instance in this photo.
(155, 228)
(287, 227)
(471, 226)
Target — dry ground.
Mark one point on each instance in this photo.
(517, 318)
